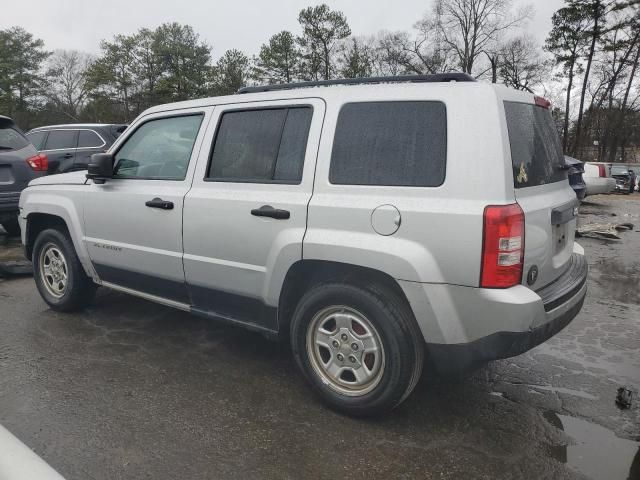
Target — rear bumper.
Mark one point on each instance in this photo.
(499, 345)
(471, 326)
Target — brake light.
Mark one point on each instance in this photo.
(39, 162)
(602, 172)
(502, 246)
(542, 102)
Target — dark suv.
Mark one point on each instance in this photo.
(69, 147)
(20, 162)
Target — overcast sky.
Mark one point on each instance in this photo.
(242, 24)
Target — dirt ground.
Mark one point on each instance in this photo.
(130, 389)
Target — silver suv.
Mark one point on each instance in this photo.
(372, 222)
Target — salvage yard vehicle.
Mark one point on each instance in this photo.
(597, 180)
(575, 172)
(371, 222)
(69, 147)
(623, 177)
(19, 164)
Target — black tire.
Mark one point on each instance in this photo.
(397, 330)
(12, 227)
(80, 289)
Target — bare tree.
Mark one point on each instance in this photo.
(470, 27)
(67, 87)
(522, 67)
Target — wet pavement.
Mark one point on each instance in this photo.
(130, 389)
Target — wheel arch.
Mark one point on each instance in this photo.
(39, 220)
(304, 274)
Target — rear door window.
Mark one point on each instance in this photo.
(37, 138)
(536, 152)
(62, 139)
(390, 143)
(11, 139)
(261, 145)
(89, 139)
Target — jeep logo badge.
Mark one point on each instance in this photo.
(532, 276)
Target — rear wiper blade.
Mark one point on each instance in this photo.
(2, 147)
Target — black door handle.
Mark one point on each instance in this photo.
(159, 203)
(68, 155)
(269, 211)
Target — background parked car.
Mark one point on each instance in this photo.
(69, 147)
(20, 162)
(623, 178)
(575, 170)
(597, 179)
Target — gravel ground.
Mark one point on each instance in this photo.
(130, 389)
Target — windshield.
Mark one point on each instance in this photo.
(536, 153)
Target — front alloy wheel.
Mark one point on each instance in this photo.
(60, 278)
(53, 270)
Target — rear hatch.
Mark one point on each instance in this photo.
(542, 191)
(15, 172)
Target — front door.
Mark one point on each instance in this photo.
(246, 215)
(133, 222)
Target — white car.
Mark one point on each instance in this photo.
(368, 221)
(597, 180)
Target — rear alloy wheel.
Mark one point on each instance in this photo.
(345, 350)
(359, 347)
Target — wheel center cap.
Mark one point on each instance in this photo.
(347, 348)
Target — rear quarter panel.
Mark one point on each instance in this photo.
(440, 236)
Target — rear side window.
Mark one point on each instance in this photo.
(62, 139)
(390, 143)
(261, 146)
(89, 139)
(11, 139)
(37, 138)
(536, 152)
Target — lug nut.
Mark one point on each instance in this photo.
(354, 347)
(344, 337)
(340, 357)
(352, 359)
(336, 344)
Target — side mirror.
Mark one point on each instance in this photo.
(100, 167)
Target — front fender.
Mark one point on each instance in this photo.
(62, 202)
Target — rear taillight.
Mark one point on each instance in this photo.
(39, 162)
(503, 246)
(602, 172)
(542, 102)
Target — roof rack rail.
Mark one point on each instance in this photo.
(438, 77)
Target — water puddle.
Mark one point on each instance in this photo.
(597, 452)
(567, 391)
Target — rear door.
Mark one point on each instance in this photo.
(246, 214)
(542, 190)
(60, 148)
